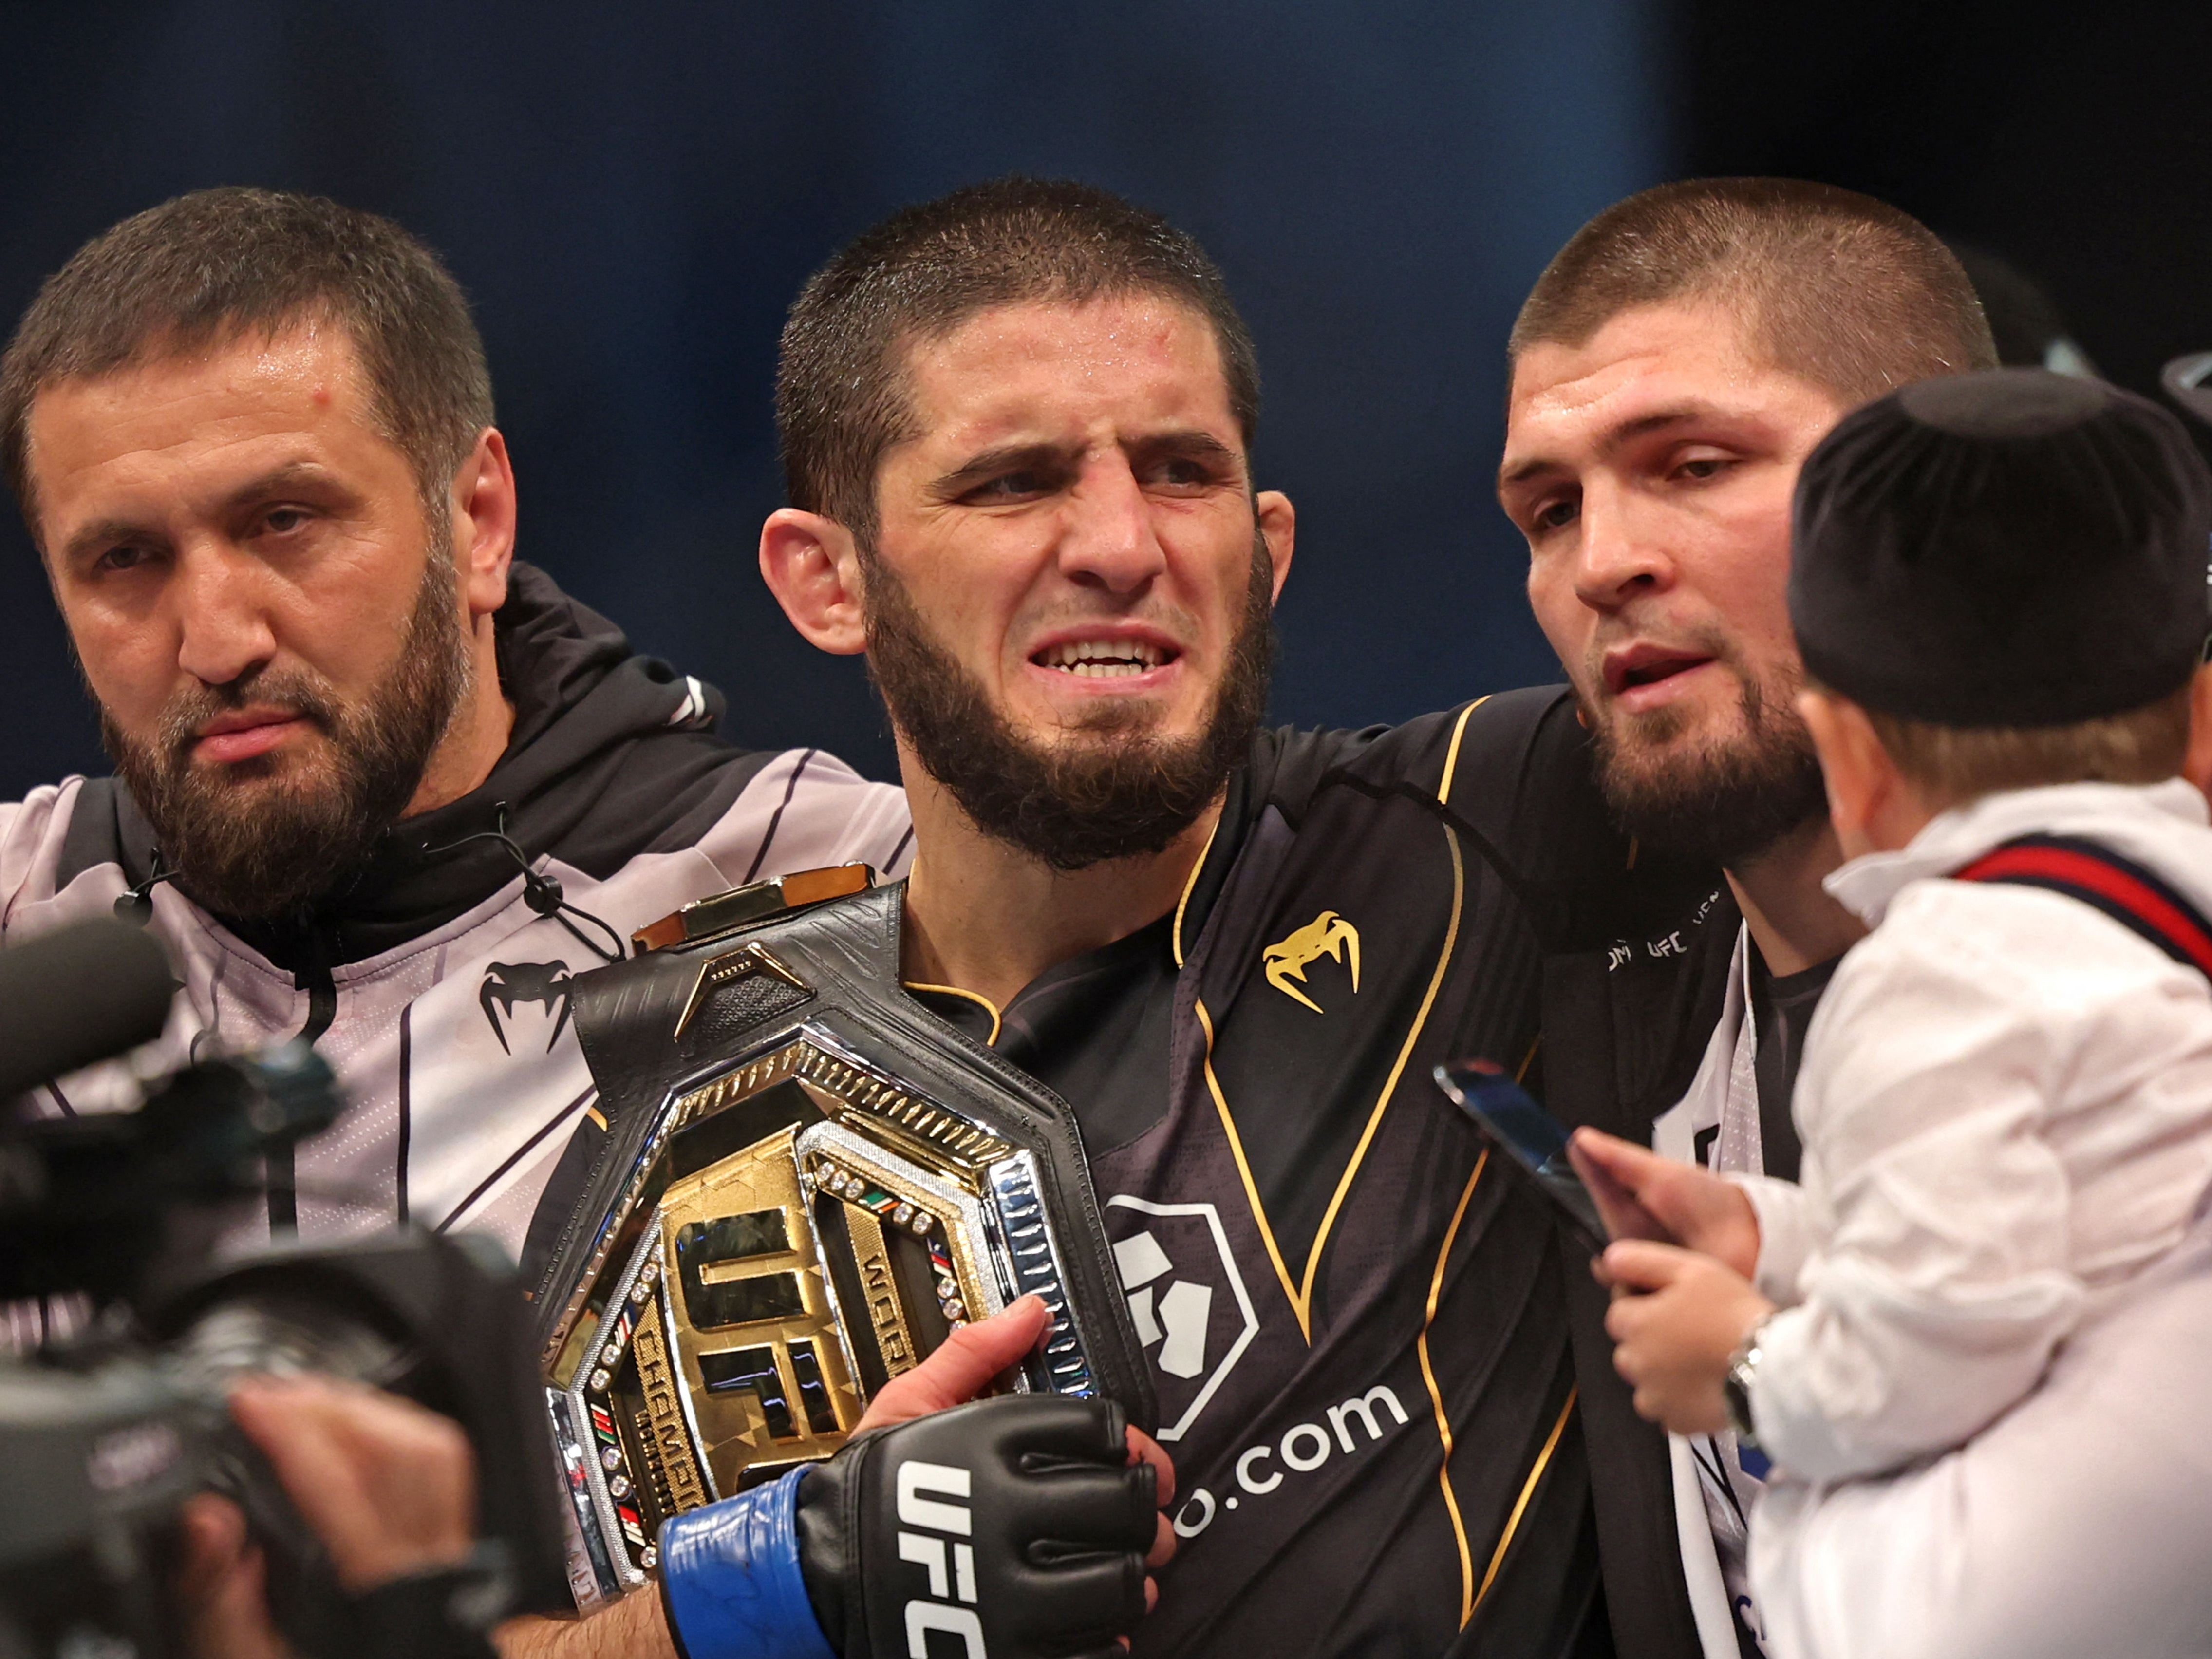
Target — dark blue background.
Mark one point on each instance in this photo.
(632, 194)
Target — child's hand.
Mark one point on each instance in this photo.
(1674, 1344)
(1699, 1209)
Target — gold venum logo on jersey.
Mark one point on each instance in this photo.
(1327, 935)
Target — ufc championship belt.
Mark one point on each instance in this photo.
(809, 1182)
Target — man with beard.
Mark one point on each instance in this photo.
(1672, 367)
(363, 758)
(1017, 423)
(378, 783)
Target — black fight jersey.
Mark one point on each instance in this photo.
(1355, 1317)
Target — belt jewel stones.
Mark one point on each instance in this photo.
(807, 1183)
(800, 1231)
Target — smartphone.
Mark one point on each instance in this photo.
(1531, 1136)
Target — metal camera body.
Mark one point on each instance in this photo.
(108, 1429)
(809, 1182)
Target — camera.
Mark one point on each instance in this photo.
(109, 1424)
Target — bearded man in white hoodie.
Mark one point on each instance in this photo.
(377, 783)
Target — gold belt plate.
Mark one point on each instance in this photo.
(769, 1284)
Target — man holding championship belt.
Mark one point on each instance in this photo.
(383, 787)
(1017, 425)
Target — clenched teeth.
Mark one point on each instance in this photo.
(1102, 658)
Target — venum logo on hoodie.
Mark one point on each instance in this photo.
(506, 983)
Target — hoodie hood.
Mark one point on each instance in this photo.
(612, 754)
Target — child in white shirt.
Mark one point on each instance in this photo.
(2006, 1094)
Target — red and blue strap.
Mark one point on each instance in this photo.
(2136, 898)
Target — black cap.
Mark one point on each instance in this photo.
(2010, 548)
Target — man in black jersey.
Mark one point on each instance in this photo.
(1016, 424)
(1671, 370)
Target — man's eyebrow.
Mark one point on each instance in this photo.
(102, 533)
(1626, 432)
(1534, 467)
(277, 479)
(1184, 440)
(987, 463)
(1193, 441)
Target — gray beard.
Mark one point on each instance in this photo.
(1722, 802)
(1113, 790)
(257, 853)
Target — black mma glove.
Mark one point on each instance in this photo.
(1015, 1527)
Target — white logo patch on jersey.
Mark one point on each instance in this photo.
(1187, 1299)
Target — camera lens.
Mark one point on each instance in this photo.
(272, 1332)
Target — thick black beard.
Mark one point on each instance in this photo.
(1725, 803)
(260, 851)
(1110, 789)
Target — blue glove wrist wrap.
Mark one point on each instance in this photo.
(730, 1578)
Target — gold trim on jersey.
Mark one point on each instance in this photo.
(1521, 1503)
(977, 997)
(1391, 1083)
(1301, 1295)
(1451, 756)
(1244, 1169)
(1437, 1398)
(1189, 883)
(1189, 886)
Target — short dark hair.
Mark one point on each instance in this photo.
(220, 263)
(840, 399)
(1846, 292)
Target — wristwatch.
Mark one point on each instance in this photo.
(1736, 1387)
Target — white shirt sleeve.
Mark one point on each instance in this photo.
(1941, 1287)
(2075, 1525)
(1785, 1234)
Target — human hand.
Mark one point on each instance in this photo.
(1037, 1536)
(971, 1359)
(222, 1585)
(970, 1362)
(1697, 1209)
(1672, 1344)
(388, 1486)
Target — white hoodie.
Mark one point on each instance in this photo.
(439, 996)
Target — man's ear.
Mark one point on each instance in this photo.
(483, 511)
(1279, 527)
(1861, 776)
(2196, 760)
(810, 564)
